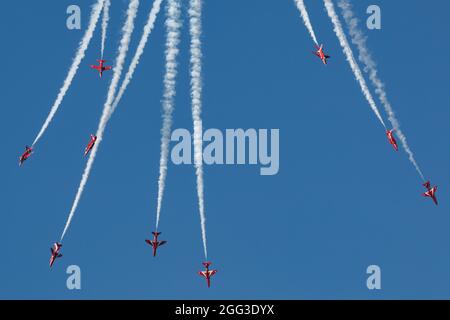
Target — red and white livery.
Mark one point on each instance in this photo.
(25, 155)
(321, 54)
(155, 243)
(431, 192)
(207, 274)
(390, 135)
(90, 145)
(55, 252)
(100, 68)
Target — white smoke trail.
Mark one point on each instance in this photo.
(173, 25)
(370, 66)
(148, 28)
(350, 58)
(195, 29)
(95, 15)
(105, 21)
(305, 16)
(123, 49)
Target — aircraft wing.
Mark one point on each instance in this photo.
(98, 68)
(107, 68)
(428, 194)
(202, 273)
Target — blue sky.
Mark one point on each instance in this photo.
(342, 200)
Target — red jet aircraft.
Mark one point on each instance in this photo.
(155, 243)
(90, 145)
(25, 155)
(100, 68)
(207, 274)
(55, 252)
(390, 135)
(321, 54)
(431, 192)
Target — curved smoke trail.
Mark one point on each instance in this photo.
(148, 28)
(84, 44)
(105, 21)
(365, 57)
(195, 29)
(351, 59)
(123, 49)
(305, 16)
(173, 25)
